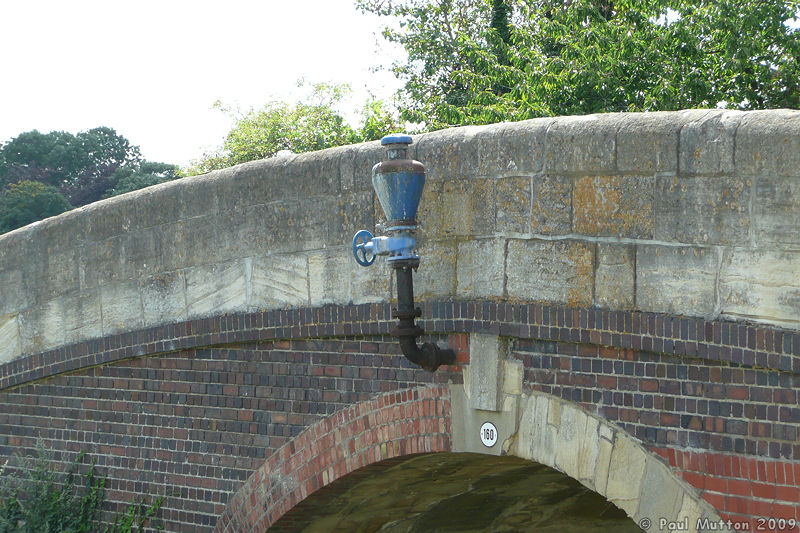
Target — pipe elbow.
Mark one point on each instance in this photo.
(429, 356)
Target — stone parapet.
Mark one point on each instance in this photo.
(689, 213)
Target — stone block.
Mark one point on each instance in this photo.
(145, 208)
(647, 143)
(676, 280)
(349, 213)
(480, 268)
(247, 184)
(625, 474)
(108, 261)
(570, 440)
(776, 212)
(492, 156)
(278, 281)
(164, 297)
(487, 354)
(436, 276)
(703, 210)
(768, 144)
(582, 144)
(613, 206)
(369, 285)
(140, 252)
(330, 274)
(14, 298)
(662, 494)
(551, 205)
(513, 205)
(15, 257)
(10, 345)
(606, 438)
(114, 216)
(761, 285)
(588, 454)
(216, 288)
(307, 174)
(467, 422)
(31, 337)
(615, 276)
(498, 150)
(513, 372)
(707, 144)
(80, 318)
(288, 226)
(464, 153)
(198, 196)
(121, 307)
(347, 168)
(521, 447)
(366, 156)
(525, 145)
(335, 277)
(50, 261)
(63, 271)
(445, 154)
(457, 208)
(691, 511)
(551, 271)
(542, 430)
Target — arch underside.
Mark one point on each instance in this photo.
(458, 493)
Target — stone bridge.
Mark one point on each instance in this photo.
(623, 291)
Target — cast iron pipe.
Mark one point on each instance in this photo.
(428, 356)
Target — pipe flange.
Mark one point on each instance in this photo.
(407, 331)
(416, 313)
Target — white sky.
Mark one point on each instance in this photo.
(151, 69)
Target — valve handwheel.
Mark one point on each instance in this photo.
(364, 256)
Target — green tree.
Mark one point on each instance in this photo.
(379, 120)
(147, 173)
(28, 201)
(312, 124)
(483, 61)
(80, 166)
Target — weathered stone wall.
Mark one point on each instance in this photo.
(688, 213)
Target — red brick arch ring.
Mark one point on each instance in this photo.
(551, 431)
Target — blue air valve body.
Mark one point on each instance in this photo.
(398, 183)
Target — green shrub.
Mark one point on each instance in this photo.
(36, 498)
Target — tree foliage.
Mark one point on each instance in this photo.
(312, 124)
(80, 166)
(483, 61)
(28, 201)
(44, 174)
(145, 174)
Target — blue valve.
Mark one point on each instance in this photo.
(362, 246)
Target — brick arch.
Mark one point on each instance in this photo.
(605, 458)
(394, 424)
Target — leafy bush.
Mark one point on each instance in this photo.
(28, 201)
(36, 498)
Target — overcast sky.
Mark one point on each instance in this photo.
(151, 69)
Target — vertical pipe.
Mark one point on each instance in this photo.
(429, 356)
